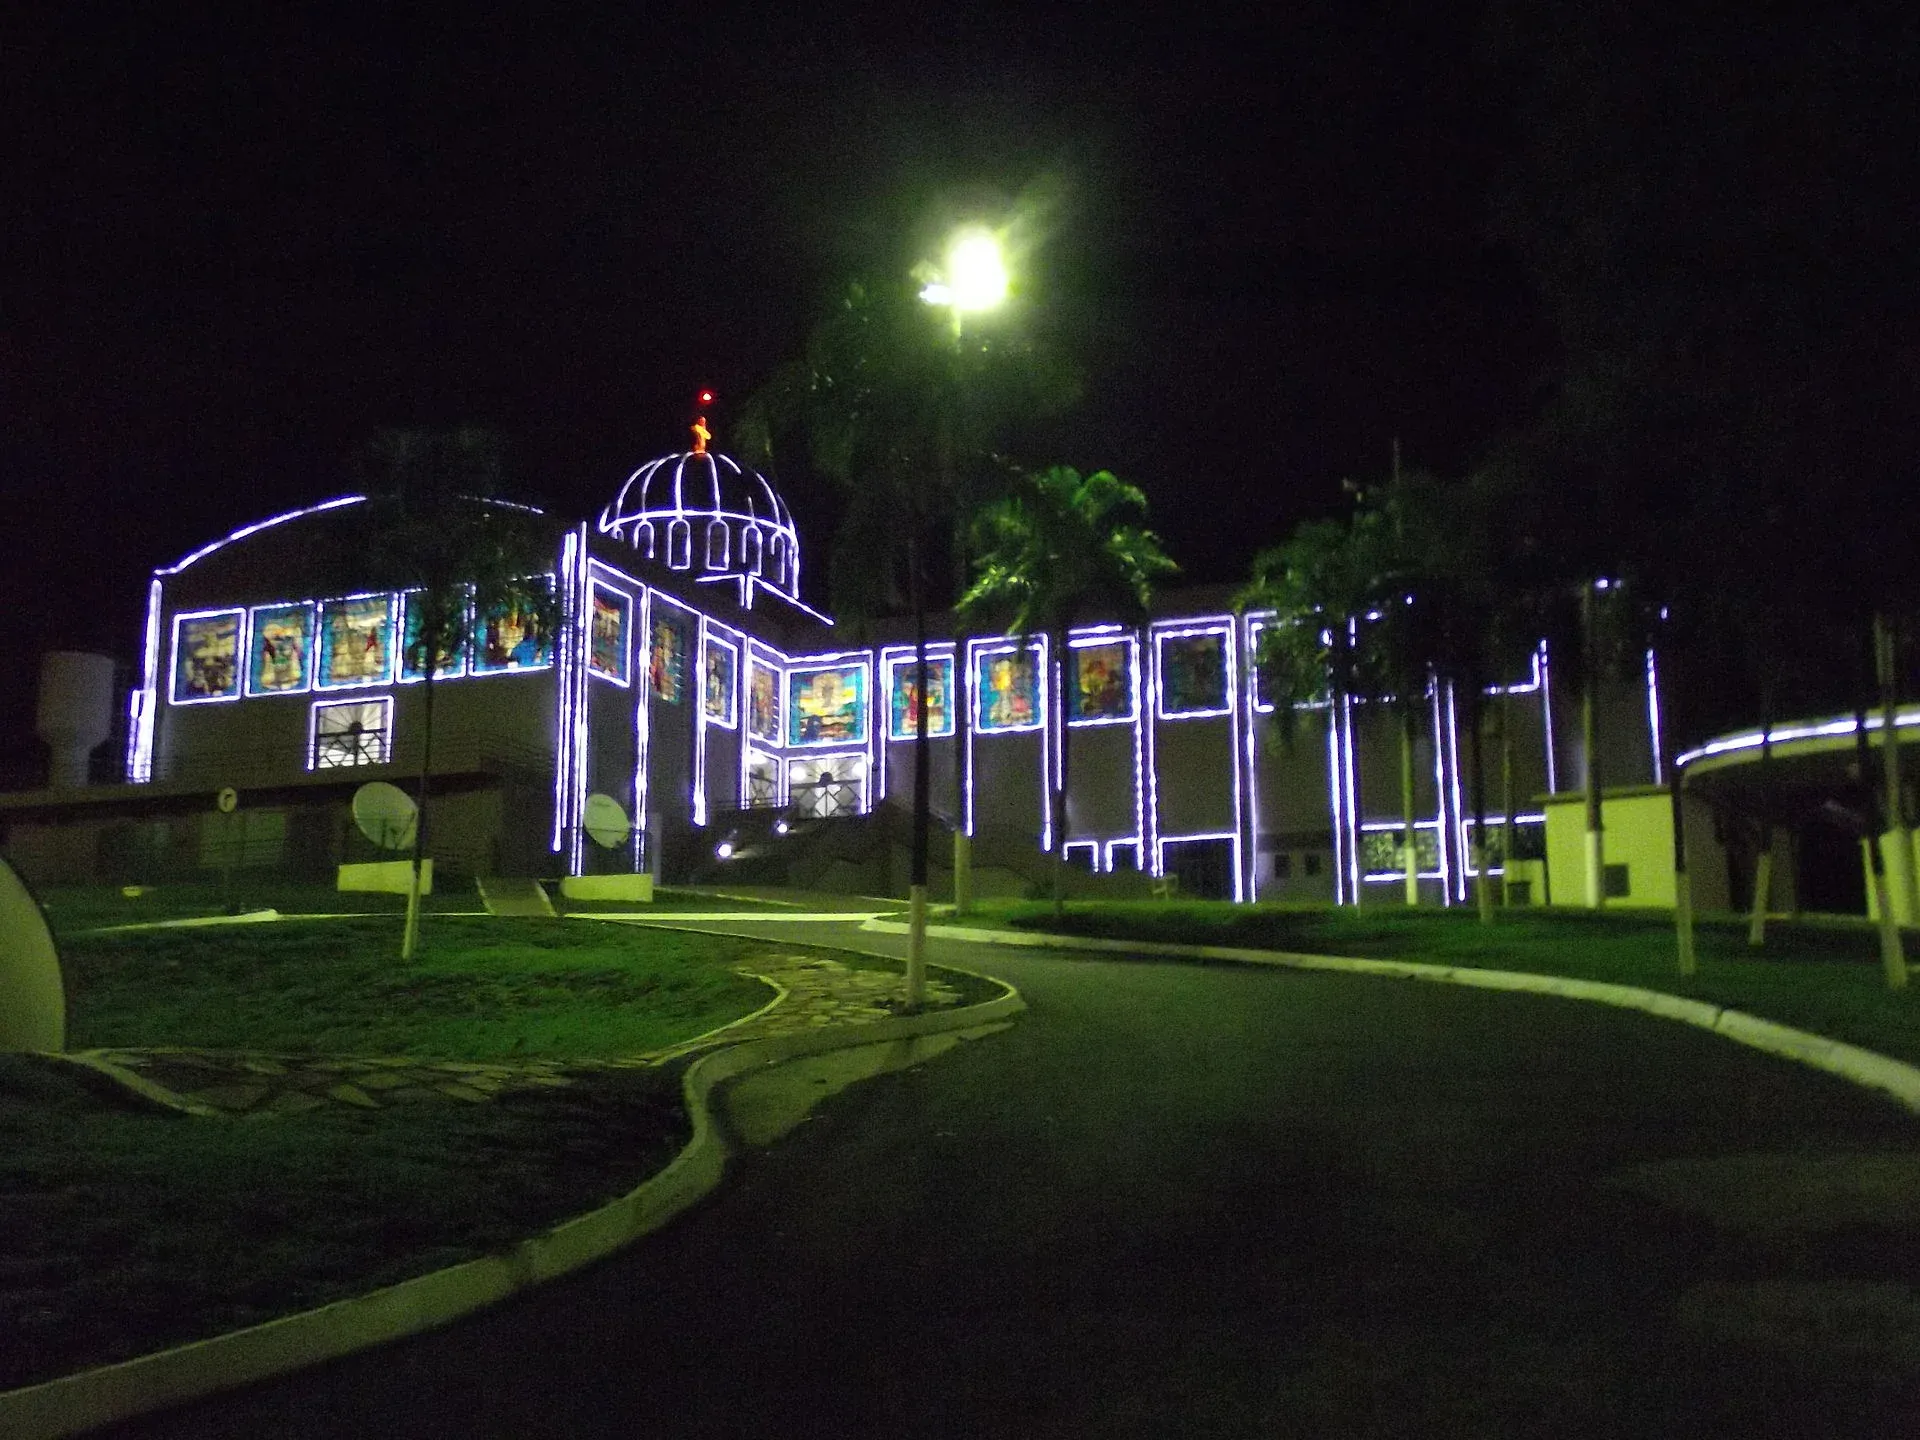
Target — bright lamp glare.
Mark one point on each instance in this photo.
(724, 850)
(976, 273)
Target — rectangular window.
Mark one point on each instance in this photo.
(1006, 689)
(903, 697)
(347, 733)
(206, 656)
(455, 642)
(720, 699)
(1100, 687)
(819, 788)
(280, 657)
(668, 650)
(763, 701)
(827, 705)
(1193, 673)
(356, 642)
(508, 637)
(610, 634)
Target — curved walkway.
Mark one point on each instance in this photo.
(810, 992)
(1184, 1200)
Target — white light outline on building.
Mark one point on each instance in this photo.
(1092, 847)
(1653, 713)
(253, 636)
(642, 723)
(255, 528)
(563, 704)
(774, 667)
(1468, 870)
(475, 641)
(385, 705)
(239, 658)
(1786, 734)
(731, 720)
(142, 703)
(1250, 756)
(779, 774)
(892, 658)
(1351, 780)
(689, 681)
(1234, 840)
(1546, 708)
(863, 664)
(1394, 827)
(400, 676)
(578, 587)
(1336, 792)
(710, 640)
(1125, 842)
(1178, 630)
(985, 648)
(865, 778)
(1093, 640)
(1150, 828)
(320, 634)
(1440, 794)
(1227, 628)
(595, 587)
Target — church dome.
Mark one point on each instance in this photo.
(705, 513)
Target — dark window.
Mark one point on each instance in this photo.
(1615, 882)
(1283, 866)
(1204, 868)
(1312, 862)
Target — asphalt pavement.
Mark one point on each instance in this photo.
(1179, 1200)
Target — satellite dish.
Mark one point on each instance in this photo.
(385, 814)
(607, 822)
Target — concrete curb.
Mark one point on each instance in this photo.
(138, 1087)
(87, 1399)
(1863, 1067)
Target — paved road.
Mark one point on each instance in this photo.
(1180, 1201)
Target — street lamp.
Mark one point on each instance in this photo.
(974, 277)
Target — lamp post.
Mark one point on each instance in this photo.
(973, 280)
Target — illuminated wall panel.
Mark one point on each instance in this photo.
(207, 650)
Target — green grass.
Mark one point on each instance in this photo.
(129, 1230)
(480, 988)
(1818, 976)
(75, 908)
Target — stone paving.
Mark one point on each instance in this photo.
(813, 992)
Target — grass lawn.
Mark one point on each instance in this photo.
(1818, 976)
(479, 989)
(131, 1230)
(71, 909)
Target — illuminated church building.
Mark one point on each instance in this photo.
(694, 719)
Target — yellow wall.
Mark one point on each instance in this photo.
(386, 877)
(1637, 828)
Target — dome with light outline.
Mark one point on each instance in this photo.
(705, 513)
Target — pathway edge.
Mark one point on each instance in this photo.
(1867, 1068)
(106, 1394)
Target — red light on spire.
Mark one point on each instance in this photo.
(706, 398)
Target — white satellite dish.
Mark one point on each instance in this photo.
(385, 814)
(607, 822)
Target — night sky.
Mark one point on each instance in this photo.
(235, 247)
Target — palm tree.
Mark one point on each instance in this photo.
(1322, 584)
(1056, 547)
(434, 530)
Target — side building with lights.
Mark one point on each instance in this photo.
(694, 719)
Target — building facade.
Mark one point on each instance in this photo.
(691, 711)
